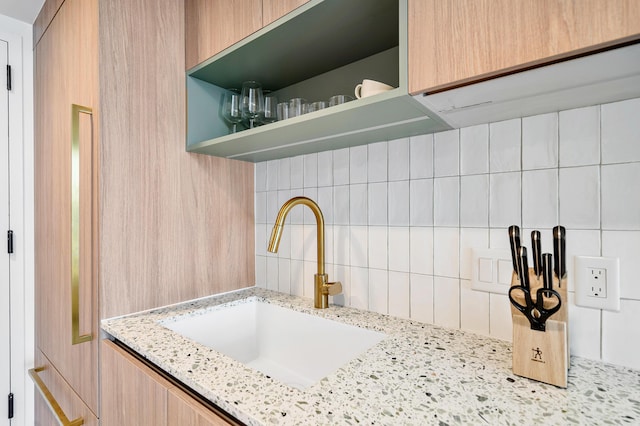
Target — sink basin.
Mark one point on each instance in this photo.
(293, 347)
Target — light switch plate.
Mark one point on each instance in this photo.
(491, 270)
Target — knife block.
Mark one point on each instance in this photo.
(542, 355)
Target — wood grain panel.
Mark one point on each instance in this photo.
(71, 405)
(214, 25)
(44, 18)
(132, 394)
(458, 42)
(182, 409)
(274, 9)
(173, 225)
(66, 73)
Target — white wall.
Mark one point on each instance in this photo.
(402, 216)
(19, 35)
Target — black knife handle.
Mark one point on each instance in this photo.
(523, 267)
(537, 252)
(514, 242)
(547, 271)
(559, 251)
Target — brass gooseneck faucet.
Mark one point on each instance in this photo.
(322, 288)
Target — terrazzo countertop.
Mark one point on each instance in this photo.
(418, 375)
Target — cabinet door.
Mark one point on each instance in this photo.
(458, 42)
(182, 409)
(274, 9)
(213, 25)
(66, 75)
(49, 382)
(132, 393)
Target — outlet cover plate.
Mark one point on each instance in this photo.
(582, 267)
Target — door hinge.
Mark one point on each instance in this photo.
(10, 241)
(10, 406)
(8, 77)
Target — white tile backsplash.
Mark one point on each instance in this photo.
(421, 250)
(621, 132)
(272, 175)
(474, 150)
(378, 247)
(446, 153)
(580, 209)
(474, 309)
(421, 156)
(540, 198)
(421, 202)
(359, 297)
(446, 199)
(626, 246)
(540, 141)
(341, 163)
(358, 204)
(621, 196)
(358, 164)
(379, 291)
(580, 137)
(505, 145)
(446, 252)
(505, 203)
(399, 295)
(421, 303)
(325, 168)
(402, 216)
(284, 173)
(377, 198)
(474, 201)
(398, 167)
(446, 293)
(621, 334)
(310, 167)
(398, 205)
(398, 256)
(296, 170)
(377, 162)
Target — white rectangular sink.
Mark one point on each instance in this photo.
(293, 347)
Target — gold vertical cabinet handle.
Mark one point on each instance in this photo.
(51, 401)
(76, 110)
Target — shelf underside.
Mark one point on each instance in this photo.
(388, 116)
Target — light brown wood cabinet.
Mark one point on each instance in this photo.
(156, 225)
(66, 74)
(274, 9)
(213, 25)
(452, 43)
(134, 394)
(72, 407)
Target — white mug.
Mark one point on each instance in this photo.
(370, 87)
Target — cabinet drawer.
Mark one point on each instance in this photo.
(50, 383)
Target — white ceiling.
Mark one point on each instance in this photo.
(22, 10)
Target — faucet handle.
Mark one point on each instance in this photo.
(333, 288)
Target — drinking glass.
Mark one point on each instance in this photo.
(297, 106)
(339, 100)
(252, 103)
(232, 108)
(283, 110)
(270, 108)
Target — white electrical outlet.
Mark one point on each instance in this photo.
(597, 282)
